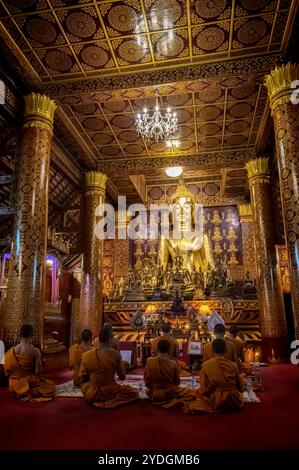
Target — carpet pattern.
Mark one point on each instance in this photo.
(68, 389)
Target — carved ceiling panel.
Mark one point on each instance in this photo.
(65, 39)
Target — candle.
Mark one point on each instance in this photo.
(272, 352)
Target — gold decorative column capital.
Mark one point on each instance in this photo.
(245, 212)
(95, 181)
(279, 83)
(39, 111)
(258, 171)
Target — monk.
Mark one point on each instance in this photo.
(97, 375)
(23, 367)
(238, 343)
(161, 377)
(75, 354)
(208, 352)
(221, 386)
(113, 342)
(165, 330)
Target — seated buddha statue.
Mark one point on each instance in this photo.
(193, 253)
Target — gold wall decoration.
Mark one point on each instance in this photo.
(245, 212)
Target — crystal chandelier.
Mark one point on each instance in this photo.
(157, 126)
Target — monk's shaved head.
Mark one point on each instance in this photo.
(163, 346)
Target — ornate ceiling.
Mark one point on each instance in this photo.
(64, 39)
(103, 62)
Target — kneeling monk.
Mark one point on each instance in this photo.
(97, 371)
(220, 384)
(161, 377)
(23, 367)
(75, 354)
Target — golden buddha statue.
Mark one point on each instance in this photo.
(195, 252)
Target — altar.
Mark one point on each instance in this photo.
(186, 327)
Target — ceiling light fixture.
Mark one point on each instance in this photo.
(157, 126)
(174, 171)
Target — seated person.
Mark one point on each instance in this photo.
(97, 375)
(75, 354)
(221, 386)
(165, 330)
(238, 343)
(23, 367)
(161, 377)
(113, 343)
(230, 353)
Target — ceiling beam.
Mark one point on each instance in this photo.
(245, 66)
(146, 165)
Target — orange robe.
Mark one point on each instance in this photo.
(239, 346)
(173, 351)
(230, 354)
(101, 389)
(161, 377)
(220, 387)
(23, 383)
(75, 358)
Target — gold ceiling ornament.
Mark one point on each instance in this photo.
(95, 181)
(182, 193)
(245, 212)
(280, 83)
(258, 170)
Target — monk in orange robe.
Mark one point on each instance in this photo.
(221, 386)
(165, 329)
(237, 342)
(161, 377)
(97, 374)
(230, 353)
(23, 367)
(113, 342)
(75, 354)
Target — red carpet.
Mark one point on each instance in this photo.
(68, 423)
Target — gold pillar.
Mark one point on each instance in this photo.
(285, 111)
(91, 308)
(272, 317)
(26, 279)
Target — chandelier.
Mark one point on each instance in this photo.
(157, 126)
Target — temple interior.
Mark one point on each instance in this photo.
(121, 122)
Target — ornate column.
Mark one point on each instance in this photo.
(285, 111)
(248, 241)
(91, 311)
(26, 279)
(272, 317)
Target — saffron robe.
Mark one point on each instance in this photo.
(99, 368)
(75, 358)
(220, 387)
(239, 346)
(173, 351)
(161, 377)
(230, 354)
(23, 383)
